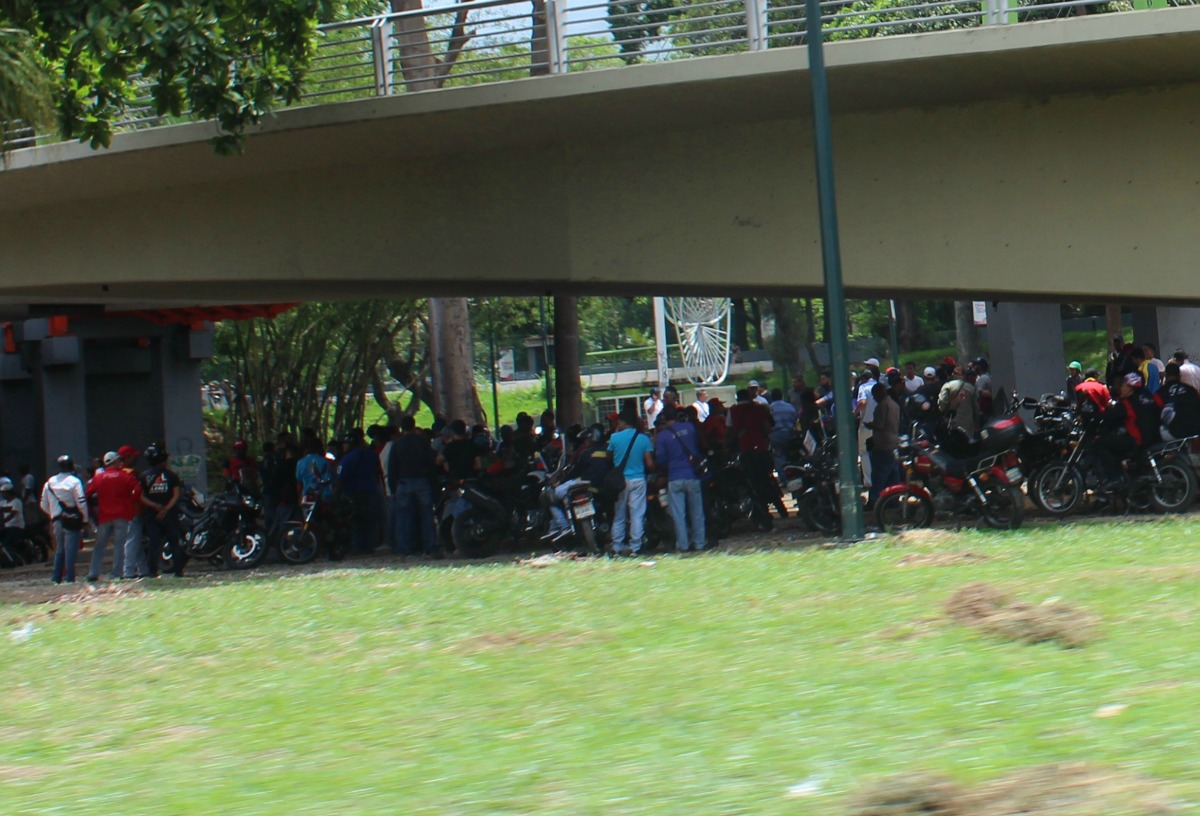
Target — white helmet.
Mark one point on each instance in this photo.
(5, 483)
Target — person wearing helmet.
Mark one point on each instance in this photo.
(64, 501)
(161, 491)
(1130, 422)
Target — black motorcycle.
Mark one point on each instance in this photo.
(228, 531)
(730, 497)
(494, 509)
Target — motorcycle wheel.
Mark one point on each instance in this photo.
(1030, 481)
(820, 512)
(1004, 506)
(245, 549)
(469, 539)
(903, 511)
(1058, 489)
(587, 537)
(1177, 490)
(298, 544)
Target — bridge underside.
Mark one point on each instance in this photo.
(1046, 161)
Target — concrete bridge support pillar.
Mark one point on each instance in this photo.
(1178, 327)
(177, 373)
(1025, 346)
(60, 379)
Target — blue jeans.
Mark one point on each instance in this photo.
(885, 472)
(66, 550)
(135, 563)
(629, 511)
(116, 531)
(365, 522)
(412, 508)
(687, 510)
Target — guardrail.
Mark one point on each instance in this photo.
(493, 40)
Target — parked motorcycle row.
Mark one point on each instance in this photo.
(1055, 460)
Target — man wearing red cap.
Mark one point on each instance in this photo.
(118, 496)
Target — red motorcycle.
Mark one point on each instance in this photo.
(973, 478)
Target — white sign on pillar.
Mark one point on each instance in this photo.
(506, 365)
(980, 309)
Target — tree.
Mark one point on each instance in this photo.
(26, 88)
(227, 60)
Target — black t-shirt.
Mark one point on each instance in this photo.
(1185, 404)
(158, 483)
(460, 457)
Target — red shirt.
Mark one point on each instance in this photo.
(118, 494)
(750, 426)
(1095, 391)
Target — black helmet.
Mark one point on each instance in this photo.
(66, 464)
(154, 454)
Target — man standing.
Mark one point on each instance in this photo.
(676, 445)
(411, 467)
(652, 407)
(361, 482)
(885, 437)
(983, 387)
(912, 380)
(134, 557)
(64, 501)
(1189, 372)
(1181, 409)
(756, 393)
(958, 403)
(864, 409)
(629, 446)
(161, 489)
(783, 427)
(750, 437)
(118, 496)
(701, 406)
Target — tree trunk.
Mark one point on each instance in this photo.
(453, 372)
(738, 330)
(789, 334)
(756, 322)
(907, 326)
(1112, 323)
(964, 327)
(566, 358)
(539, 55)
(418, 65)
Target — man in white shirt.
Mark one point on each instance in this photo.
(652, 407)
(865, 409)
(701, 405)
(756, 392)
(912, 380)
(1189, 372)
(1151, 352)
(63, 495)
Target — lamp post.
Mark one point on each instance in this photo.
(835, 298)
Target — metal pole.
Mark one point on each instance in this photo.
(546, 353)
(895, 336)
(661, 363)
(835, 297)
(495, 389)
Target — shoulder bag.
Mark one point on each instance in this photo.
(614, 480)
(699, 463)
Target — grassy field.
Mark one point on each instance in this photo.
(772, 682)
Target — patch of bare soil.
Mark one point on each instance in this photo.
(1064, 789)
(923, 535)
(942, 559)
(987, 608)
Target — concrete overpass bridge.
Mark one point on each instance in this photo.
(1036, 162)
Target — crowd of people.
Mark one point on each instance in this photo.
(388, 475)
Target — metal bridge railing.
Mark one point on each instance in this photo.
(492, 40)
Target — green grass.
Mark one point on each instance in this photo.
(696, 686)
(530, 400)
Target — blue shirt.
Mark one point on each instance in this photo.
(635, 468)
(310, 471)
(672, 445)
(359, 471)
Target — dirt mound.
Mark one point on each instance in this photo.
(1065, 789)
(987, 608)
(923, 535)
(942, 559)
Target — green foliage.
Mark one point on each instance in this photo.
(227, 60)
(26, 87)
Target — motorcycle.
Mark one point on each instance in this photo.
(981, 480)
(496, 508)
(1158, 478)
(731, 498)
(815, 487)
(227, 532)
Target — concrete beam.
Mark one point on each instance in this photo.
(1025, 345)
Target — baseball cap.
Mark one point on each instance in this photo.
(930, 371)
(128, 452)
(753, 384)
(111, 458)
(948, 360)
(872, 361)
(1134, 379)
(715, 402)
(1075, 364)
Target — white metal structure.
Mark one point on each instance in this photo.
(702, 326)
